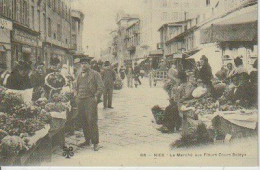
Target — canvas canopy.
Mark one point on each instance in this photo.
(213, 55)
(237, 28)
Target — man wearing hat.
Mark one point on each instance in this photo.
(89, 90)
(19, 78)
(38, 81)
(108, 77)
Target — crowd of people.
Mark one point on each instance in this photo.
(89, 82)
(237, 82)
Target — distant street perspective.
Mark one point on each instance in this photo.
(129, 83)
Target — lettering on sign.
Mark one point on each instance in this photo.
(25, 38)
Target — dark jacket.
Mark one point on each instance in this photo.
(137, 70)
(171, 117)
(38, 84)
(90, 85)
(18, 82)
(108, 76)
(205, 74)
(96, 68)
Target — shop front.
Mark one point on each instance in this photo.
(25, 45)
(6, 27)
(53, 51)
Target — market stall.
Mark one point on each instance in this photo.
(31, 131)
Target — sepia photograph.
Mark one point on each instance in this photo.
(129, 83)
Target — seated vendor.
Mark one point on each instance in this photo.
(184, 91)
(172, 118)
(240, 79)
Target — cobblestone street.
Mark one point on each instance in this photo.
(129, 137)
(129, 125)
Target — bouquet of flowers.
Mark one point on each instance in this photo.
(55, 107)
(158, 114)
(9, 101)
(55, 81)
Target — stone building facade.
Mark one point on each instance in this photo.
(36, 30)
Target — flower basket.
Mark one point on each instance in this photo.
(158, 114)
(55, 81)
(118, 85)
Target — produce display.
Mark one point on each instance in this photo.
(55, 107)
(9, 102)
(158, 114)
(19, 120)
(55, 81)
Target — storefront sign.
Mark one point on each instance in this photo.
(5, 24)
(24, 38)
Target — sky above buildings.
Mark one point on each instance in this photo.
(100, 20)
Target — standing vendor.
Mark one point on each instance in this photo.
(205, 74)
(38, 81)
(89, 90)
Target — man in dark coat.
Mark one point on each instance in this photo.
(108, 77)
(89, 90)
(19, 79)
(137, 73)
(38, 81)
(95, 66)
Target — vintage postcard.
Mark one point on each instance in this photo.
(129, 83)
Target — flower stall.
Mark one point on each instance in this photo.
(31, 131)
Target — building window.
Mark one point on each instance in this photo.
(44, 22)
(54, 5)
(32, 17)
(49, 27)
(39, 19)
(14, 9)
(4, 7)
(73, 25)
(207, 2)
(25, 13)
(59, 32)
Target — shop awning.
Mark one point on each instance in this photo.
(239, 28)
(156, 53)
(214, 57)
